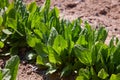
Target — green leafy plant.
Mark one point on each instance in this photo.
(57, 44)
(10, 70)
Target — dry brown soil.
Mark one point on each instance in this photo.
(96, 12)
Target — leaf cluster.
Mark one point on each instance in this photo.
(58, 44)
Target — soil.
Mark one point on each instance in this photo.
(96, 12)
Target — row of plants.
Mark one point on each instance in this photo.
(59, 45)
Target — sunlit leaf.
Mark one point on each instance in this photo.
(13, 64)
(1, 44)
(1, 20)
(115, 76)
(7, 31)
(103, 74)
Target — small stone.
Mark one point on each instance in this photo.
(116, 29)
(29, 72)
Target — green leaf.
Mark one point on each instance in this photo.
(115, 76)
(13, 64)
(11, 12)
(81, 40)
(76, 29)
(81, 78)
(1, 75)
(56, 10)
(83, 54)
(52, 36)
(101, 34)
(1, 20)
(88, 27)
(59, 44)
(32, 7)
(1, 44)
(46, 6)
(7, 31)
(103, 74)
(39, 60)
(115, 55)
(6, 74)
(39, 33)
(53, 56)
(12, 23)
(32, 40)
(41, 50)
(85, 73)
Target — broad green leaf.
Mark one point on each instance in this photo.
(6, 75)
(11, 12)
(7, 31)
(45, 10)
(12, 23)
(88, 27)
(32, 7)
(1, 44)
(57, 12)
(116, 55)
(39, 60)
(101, 34)
(81, 40)
(1, 20)
(59, 44)
(53, 56)
(104, 52)
(46, 6)
(13, 64)
(115, 76)
(35, 21)
(39, 33)
(68, 38)
(103, 74)
(84, 74)
(41, 50)
(81, 78)
(83, 54)
(52, 36)
(76, 29)
(32, 40)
